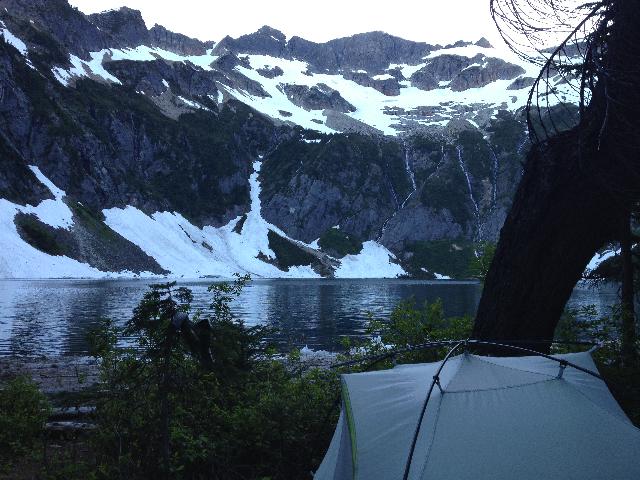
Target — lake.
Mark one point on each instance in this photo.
(52, 317)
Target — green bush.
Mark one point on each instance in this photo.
(481, 261)
(446, 257)
(409, 325)
(208, 399)
(23, 412)
(38, 235)
(288, 254)
(338, 243)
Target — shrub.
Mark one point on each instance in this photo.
(207, 398)
(23, 411)
(408, 326)
(288, 254)
(481, 261)
(446, 257)
(38, 234)
(338, 243)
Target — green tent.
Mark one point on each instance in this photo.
(514, 418)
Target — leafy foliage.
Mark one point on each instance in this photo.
(287, 253)
(338, 243)
(38, 234)
(409, 326)
(446, 257)
(208, 398)
(23, 411)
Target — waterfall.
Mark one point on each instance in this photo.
(494, 193)
(411, 175)
(400, 206)
(521, 146)
(473, 200)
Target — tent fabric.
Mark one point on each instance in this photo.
(338, 460)
(495, 418)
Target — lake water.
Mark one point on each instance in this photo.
(52, 317)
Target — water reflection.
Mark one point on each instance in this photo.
(52, 317)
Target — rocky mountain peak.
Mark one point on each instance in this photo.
(56, 18)
(484, 43)
(272, 32)
(125, 25)
(176, 42)
(265, 41)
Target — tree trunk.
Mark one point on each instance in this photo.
(628, 307)
(558, 220)
(570, 198)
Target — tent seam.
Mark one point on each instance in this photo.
(483, 359)
(521, 385)
(437, 415)
(460, 360)
(433, 436)
(628, 423)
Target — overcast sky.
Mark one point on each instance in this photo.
(433, 21)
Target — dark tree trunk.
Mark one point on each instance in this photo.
(569, 203)
(628, 307)
(559, 218)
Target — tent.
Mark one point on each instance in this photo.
(476, 417)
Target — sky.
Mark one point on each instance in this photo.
(431, 21)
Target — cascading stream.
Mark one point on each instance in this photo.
(413, 190)
(496, 166)
(473, 200)
(411, 175)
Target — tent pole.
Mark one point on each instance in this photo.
(540, 354)
(436, 381)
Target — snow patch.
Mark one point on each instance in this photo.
(84, 68)
(11, 39)
(192, 104)
(95, 66)
(54, 212)
(189, 251)
(598, 258)
(18, 259)
(374, 261)
(441, 277)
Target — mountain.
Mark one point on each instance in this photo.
(132, 151)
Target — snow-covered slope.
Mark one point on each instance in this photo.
(186, 250)
(178, 246)
(464, 81)
(154, 135)
(18, 259)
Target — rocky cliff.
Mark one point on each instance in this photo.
(127, 150)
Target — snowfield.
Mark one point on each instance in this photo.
(186, 250)
(177, 245)
(372, 107)
(18, 259)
